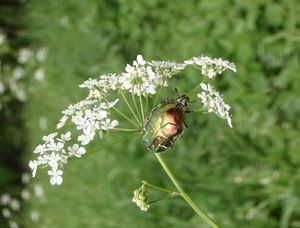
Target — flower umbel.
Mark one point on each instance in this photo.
(140, 198)
(135, 87)
(92, 115)
(213, 102)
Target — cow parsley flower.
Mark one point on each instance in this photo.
(55, 176)
(76, 150)
(24, 55)
(5, 199)
(211, 67)
(213, 102)
(92, 116)
(140, 198)
(2, 38)
(6, 213)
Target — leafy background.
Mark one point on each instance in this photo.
(247, 176)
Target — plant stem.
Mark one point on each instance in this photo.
(157, 95)
(196, 87)
(184, 195)
(126, 129)
(142, 108)
(129, 106)
(157, 188)
(136, 107)
(126, 117)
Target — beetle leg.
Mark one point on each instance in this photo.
(185, 124)
(187, 110)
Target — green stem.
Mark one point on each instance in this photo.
(111, 145)
(126, 117)
(136, 107)
(142, 108)
(156, 97)
(199, 110)
(196, 87)
(157, 188)
(147, 103)
(126, 129)
(184, 195)
(129, 106)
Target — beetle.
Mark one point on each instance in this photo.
(165, 123)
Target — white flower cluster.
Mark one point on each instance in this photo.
(144, 77)
(140, 198)
(10, 205)
(90, 117)
(12, 84)
(211, 67)
(213, 102)
(51, 153)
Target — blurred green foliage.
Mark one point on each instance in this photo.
(247, 176)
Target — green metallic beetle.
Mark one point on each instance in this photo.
(165, 123)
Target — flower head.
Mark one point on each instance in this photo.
(140, 198)
(211, 67)
(55, 176)
(93, 115)
(213, 102)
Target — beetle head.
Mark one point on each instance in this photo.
(183, 99)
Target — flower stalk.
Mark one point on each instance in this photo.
(185, 195)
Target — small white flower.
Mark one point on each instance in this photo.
(13, 224)
(39, 149)
(76, 150)
(2, 88)
(108, 124)
(24, 55)
(86, 138)
(33, 166)
(25, 178)
(39, 74)
(43, 123)
(5, 199)
(18, 73)
(41, 54)
(38, 191)
(21, 94)
(25, 194)
(55, 176)
(53, 146)
(6, 213)
(34, 215)
(65, 137)
(2, 38)
(50, 137)
(140, 198)
(15, 205)
(62, 122)
(53, 160)
(139, 60)
(64, 21)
